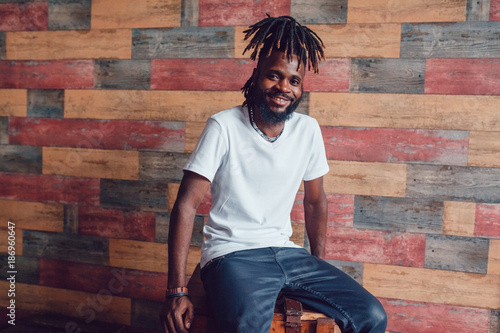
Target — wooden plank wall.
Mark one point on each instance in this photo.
(102, 101)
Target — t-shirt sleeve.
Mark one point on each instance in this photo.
(209, 152)
(318, 164)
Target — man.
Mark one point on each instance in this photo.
(254, 158)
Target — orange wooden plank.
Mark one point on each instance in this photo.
(458, 218)
(85, 44)
(484, 149)
(13, 102)
(17, 238)
(33, 215)
(494, 257)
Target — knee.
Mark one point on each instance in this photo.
(377, 318)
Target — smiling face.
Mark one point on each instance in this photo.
(278, 87)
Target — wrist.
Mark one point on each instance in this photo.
(176, 292)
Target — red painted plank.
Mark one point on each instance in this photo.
(200, 74)
(239, 12)
(59, 74)
(372, 246)
(102, 134)
(487, 220)
(94, 278)
(48, 188)
(113, 223)
(462, 76)
(340, 209)
(495, 10)
(333, 76)
(396, 145)
(24, 16)
(409, 316)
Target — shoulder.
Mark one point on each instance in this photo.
(304, 121)
(228, 115)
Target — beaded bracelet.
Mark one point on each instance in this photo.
(176, 292)
(168, 296)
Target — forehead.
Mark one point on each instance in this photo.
(278, 61)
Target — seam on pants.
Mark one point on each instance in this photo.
(334, 305)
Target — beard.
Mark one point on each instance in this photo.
(269, 116)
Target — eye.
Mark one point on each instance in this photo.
(295, 82)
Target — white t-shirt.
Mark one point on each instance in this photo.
(254, 182)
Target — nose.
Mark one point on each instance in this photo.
(284, 86)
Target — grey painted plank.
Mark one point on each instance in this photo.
(453, 183)
(21, 159)
(145, 314)
(122, 74)
(4, 130)
(189, 13)
(398, 214)
(69, 14)
(351, 268)
(70, 222)
(464, 254)
(478, 10)
(450, 40)
(46, 103)
(162, 165)
(184, 42)
(163, 223)
(319, 11)
(2, 45)
(127, 194)
(28, 269)
(405, 76)
(60, 246)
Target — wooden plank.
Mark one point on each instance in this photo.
(127, 194)
(69, 15)
(173, 189)
(193, 132)
(99, 134)
(319, 11)
(145, 315)
(71, 219)
(381, 11)
(148, 105)
(46, 103)
(398, 214)
(21, 159)
(23, 16)
(2, 45)
(398, 76)
(484, 149)
(487, 223)
(202, 42)
(114, 223)
(351, 268)
(27, 267)
(495, 321)
(76, 304)
(33, 215)
(478, 10)
(13, 102)
(189, 13)
(203, 207)
(433, 286)
(59, 246)
(423, 317)
(362, 40)
(198, 74)
(74, 44)
(494, 257)
(146, 256)
(223, 13)
(4, 130)
(93, 163)
(122, 74)
(375, 246)
(495, 10)
(340, 209)
(464, 254)
(119, 14)
(406, 110)
(162, 225)
(450, 40)
(4, 241)
(459, 218)
(462, 76)
(333, 76)
(381, 179)
(92, 278)
(162, 165)
(395, 145)
(49, 188)
(59, 74)
(452, 183)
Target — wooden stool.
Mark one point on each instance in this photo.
(289, 316)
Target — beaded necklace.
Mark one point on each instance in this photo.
(254, 125)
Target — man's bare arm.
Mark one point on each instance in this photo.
(316, 213)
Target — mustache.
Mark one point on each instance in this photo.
(281, 95)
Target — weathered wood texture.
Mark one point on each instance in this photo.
(101, 103)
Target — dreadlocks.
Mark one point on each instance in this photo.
(286, 35)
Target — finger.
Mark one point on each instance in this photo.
(188, 319)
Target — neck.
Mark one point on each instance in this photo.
(271, 130)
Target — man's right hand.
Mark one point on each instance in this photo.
(177, 314)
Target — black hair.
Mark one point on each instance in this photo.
(286, 35)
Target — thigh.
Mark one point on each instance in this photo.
(242, 288)
(327, 289)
